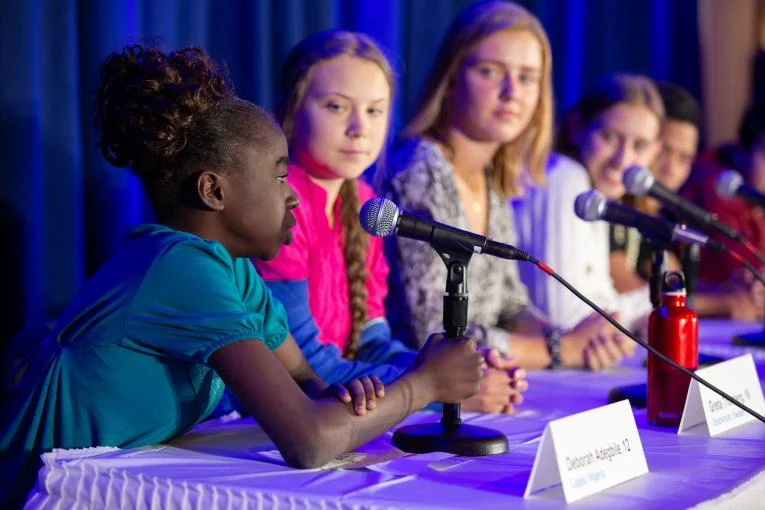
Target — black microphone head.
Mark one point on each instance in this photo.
(728, 183)
(378, 216)
(638, 180)
(590, 205)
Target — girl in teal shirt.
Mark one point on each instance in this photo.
(144, 350)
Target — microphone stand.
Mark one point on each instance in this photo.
(637, 394)
(657, 271)
(688, 258)
(756, 338)
(689, 262)
(549, 271)
(451, 435)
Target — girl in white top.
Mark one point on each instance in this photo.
(614, 126)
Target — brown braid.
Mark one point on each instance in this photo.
(355, 252)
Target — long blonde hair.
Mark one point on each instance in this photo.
(530, 150)
(294, 80)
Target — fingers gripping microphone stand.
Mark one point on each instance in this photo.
(451, 435)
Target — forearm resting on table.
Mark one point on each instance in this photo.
(338, 429)
(530, 351)
(528, 346)
(308, 432)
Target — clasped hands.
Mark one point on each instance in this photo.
(595, 344)
(497, 388)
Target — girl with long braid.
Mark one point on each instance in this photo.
(334, 107)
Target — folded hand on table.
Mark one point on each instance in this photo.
(595, 344)
(745, 301)
(502, 385)
(362, 392)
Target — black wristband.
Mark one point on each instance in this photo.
(553, 337)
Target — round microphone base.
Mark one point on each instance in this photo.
(460, 439)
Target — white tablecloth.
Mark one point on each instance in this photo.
(221, 464)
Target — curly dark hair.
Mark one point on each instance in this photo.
(167, 114)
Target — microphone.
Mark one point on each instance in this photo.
(640, 181)
(381, 217)
(730, 184)
(592, 205)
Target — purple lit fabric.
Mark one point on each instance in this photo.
(215, 465)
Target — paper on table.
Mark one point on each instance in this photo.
(411, 464)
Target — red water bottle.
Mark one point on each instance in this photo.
(673, 330)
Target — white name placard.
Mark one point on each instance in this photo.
(708, 413)
(588, 452)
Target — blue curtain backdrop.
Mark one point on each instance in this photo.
(63, 209)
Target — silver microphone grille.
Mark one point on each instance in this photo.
(728, 183)
(379, 216)
(590, 205)
(637, 180)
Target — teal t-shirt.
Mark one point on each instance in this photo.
(126, 365)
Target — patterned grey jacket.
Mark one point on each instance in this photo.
(422, 182)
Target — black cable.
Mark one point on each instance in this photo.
(544, 267)
(738, 258)
(752, 251)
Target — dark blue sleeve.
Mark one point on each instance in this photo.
(377, 346)
(326, 360)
